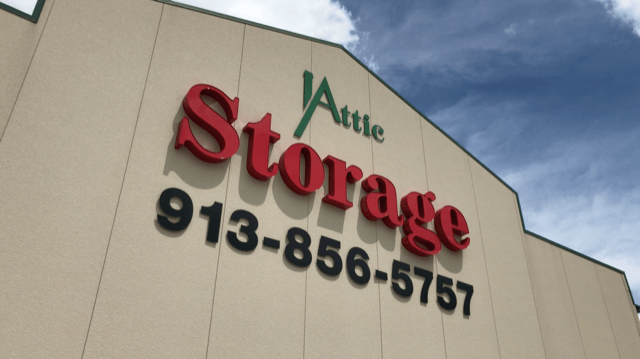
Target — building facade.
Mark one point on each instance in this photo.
(177, 183)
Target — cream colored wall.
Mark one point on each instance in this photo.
(591, 311)
(157, 287)
(63, 158)
(585, 309)
(259, 302)
(342, 320)
(554, 304)
(622, 314)
(449, 177)
(409, 329)
(18, 43)
(88, 271)
(513, 303)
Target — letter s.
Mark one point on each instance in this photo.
(205, 117)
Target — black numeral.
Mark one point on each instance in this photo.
(397, 275)
(428, 278)
(299, 240)
(183, 214)
(215, 215)
(249, 231)
(467, 298)
(324, 251)
(301, 246)
(441, 289)
(352, 263)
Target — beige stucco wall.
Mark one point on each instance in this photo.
(554, 303)
(86, 270)
(18, 43)
(336, 312)
(584, 307)
(62, 160)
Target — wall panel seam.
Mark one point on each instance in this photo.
(526, 257)
(606, 307)
(493, 310)
(24, 78)
(124, 176)
(309, 209)
(376, 231)
(573, 303)
(435, 262)
(575, 315)
(224, 208)
(424, 155)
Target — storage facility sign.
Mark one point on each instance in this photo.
(303, 171)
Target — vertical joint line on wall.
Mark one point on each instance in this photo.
(306, 272)
(493, 310)
(606, 308)
(435, 262)
(224, 208)
(124, 176)
(424, 157)
(516, 204)
(376, 225)
(26, 72)
(573, 306)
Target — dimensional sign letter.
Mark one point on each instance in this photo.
(204, 116)
(419, 210)
(450, 221)
(382, 204)
(290, 169)
(322, 90)
(339, 175)
(260, 137)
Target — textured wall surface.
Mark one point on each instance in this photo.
(18, 43)
(91, 98)
(62, 160)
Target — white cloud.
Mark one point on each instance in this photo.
(568, 196)
(511, 30)
(627, 11)
(578, 191)
(371, 63)
(569, 190)
(324, 19)
(482, 127)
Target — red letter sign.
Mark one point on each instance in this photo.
(450, 221)
(339, 175)
(210, 121)
(382, 204)
(290, 169)
(260, 137)
(419, 210)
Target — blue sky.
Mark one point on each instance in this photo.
(545, 93)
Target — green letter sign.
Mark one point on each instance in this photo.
(322, 90)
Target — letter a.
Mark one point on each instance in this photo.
(382, 204)
(322, 90)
